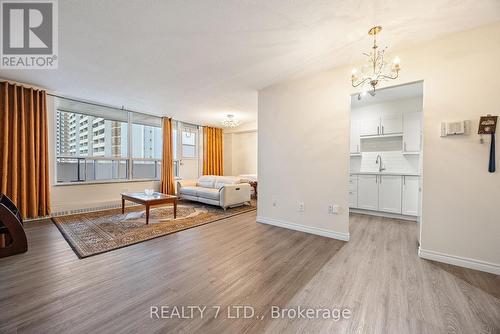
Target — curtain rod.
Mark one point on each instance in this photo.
(22, 84)
(88, 102)
(100, 104)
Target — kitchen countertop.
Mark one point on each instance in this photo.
(386, 173)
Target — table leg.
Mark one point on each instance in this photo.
(123, 205)
(175, 209)
(147, 214)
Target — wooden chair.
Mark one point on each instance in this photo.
(12, 236)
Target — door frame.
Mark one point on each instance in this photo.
(358, 92)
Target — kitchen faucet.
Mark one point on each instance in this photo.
(380, 166)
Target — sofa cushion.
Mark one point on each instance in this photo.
(191, 191)
(223, 180)
(206, 181)
(209, 193)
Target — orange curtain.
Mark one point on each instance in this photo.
(24, 166)
(167, 166)
(213, 161)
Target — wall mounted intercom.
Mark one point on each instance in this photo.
(454, 128)
(487, 126)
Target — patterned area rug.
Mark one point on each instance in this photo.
(98, 232)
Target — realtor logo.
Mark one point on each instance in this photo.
(29, 34)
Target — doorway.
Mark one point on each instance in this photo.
(188, 150)
(386, 152)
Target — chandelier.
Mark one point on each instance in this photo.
(375, 70)
(230, 122)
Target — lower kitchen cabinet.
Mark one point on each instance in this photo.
(368, 192)
(353, 191)
(410, 195)
(385, 193)
(389, 193)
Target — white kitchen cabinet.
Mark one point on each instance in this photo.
(389, 193)
(391, 122)
(353, 199)
(385, 123)
(412, 129)
(368, 192)
(355, 141)
(370, 125)
(410, 195)
(353, 191)
(353, 182)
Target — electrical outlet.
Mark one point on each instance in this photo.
(301, 207)
(333, 209)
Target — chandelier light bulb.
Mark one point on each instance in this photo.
(354, 71)
(396, 61)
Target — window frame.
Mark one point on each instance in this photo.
(84, 159)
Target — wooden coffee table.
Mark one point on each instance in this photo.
(149, 200)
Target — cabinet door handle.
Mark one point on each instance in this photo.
(405, 146)
(404, 180)
(378, 129)
(382, 129)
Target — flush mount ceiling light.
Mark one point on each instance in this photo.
(230, 121)
(375, 70)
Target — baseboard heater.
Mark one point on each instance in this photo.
(116, 205)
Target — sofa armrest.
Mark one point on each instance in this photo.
(232, 194)
(185, 183)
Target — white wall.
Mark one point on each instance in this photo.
(304, 142)
(304, 153)
(240, 152)
(72, 197)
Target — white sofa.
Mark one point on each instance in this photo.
(224, 191)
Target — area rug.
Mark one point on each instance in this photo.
(98, 232)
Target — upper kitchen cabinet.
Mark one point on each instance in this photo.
(412, 132)
(370, 124)
(380, 123)
(355, 140)
(391, 122)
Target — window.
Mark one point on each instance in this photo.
(146, 151)
(92, 144)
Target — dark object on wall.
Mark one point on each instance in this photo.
(487, 126)
(491, 166)
(12, 236)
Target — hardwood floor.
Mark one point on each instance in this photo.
(377, 276)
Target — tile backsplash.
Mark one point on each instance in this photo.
(381, 144)
(393, 161)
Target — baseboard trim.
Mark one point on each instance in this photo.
(459, 261)
(383, 214)
(303, 228)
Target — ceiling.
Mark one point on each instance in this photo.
(199, 60)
